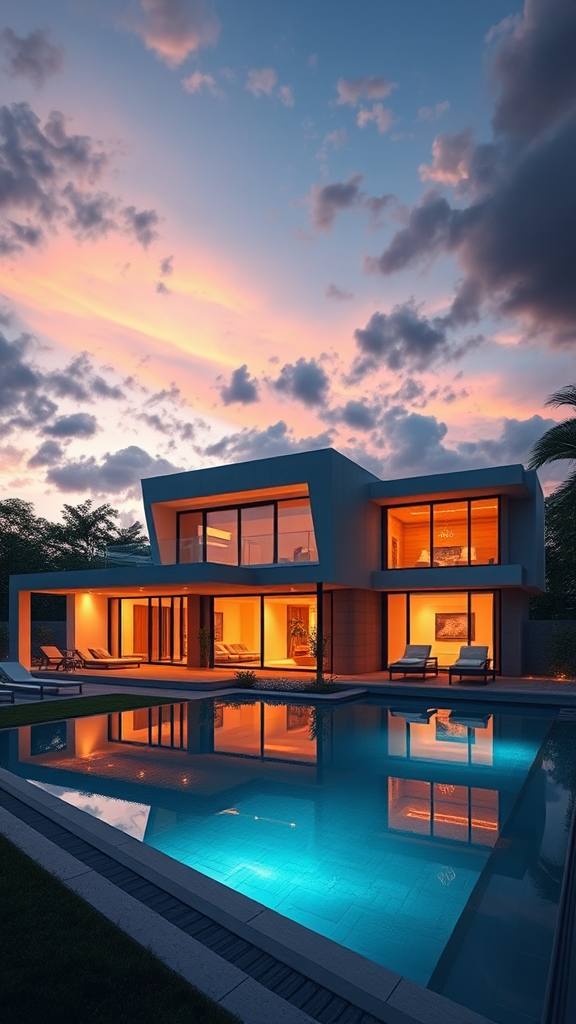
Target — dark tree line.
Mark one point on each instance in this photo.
(30, 543)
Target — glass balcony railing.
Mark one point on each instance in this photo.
(293, 546)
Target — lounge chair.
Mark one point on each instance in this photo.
(92, 660)
(51, 658)
(6, 693)
(223, 654)
(472, 662)
(19, 678)
(243, 652)
(414, 716)
(415, 661)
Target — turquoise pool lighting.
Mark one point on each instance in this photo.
(398, 831)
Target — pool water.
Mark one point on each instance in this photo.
(400, 831)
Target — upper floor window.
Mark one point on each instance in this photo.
(266, 534)
(463, 532)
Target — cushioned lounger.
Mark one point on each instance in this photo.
(19, 678)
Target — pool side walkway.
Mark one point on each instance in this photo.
(213, 682)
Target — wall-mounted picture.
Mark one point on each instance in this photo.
(297, 718)
(454, 626)
(219, 626)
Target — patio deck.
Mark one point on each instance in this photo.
(537, 690)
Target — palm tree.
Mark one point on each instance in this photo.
(559, 443)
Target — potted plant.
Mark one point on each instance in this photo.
(204, 644)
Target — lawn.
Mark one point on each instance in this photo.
(75, 707)
(64, 963)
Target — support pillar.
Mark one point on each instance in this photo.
(20, 627)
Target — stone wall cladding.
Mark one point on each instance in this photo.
(537, 637)
(356, 631)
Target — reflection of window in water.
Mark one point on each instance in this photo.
(266, 731)
(464, 814)
(446, 736)
(163, 726)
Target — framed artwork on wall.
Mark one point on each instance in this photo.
(219, 626)
(454, 626)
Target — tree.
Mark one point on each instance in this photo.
(29, 543)
(559, 443)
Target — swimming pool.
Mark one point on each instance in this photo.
(429, 839)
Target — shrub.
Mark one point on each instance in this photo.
(204, 642)
(3, 643)
(563, 652)
(245, 678)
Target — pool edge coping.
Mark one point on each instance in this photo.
(344, 972)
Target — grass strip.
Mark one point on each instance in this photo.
(76, 707)
(62, 961)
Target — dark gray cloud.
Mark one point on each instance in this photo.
(166, 266)
(32, 56)
(162, 289)
(242, 388)
(358, 415)
(44, 174)
(277, 439)
(78, 424)
(327, 201)
(304, 380)
(142, 224)
(116, 473)
(173, 29)
(48, 454)
(400, 339)
(413, 444)
(534, 67)
(516, 238)
(334, 292)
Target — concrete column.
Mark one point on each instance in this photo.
(70, 621)
(20, 627)
(320, 631)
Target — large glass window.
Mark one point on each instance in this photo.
(445, 620)
(237, 631)
(296, 539)
(441, 534)
(222, 536)
(450, 536)
(257, 531)
(191, 537)
(409, 537)
(247, 534)
(484, 531)
(288, 623)
(153, 628)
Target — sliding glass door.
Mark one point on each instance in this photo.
(155, 628)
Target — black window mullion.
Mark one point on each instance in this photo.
(469, 532)
(149, 629)
(204, 536)
(384, 538)
(431, 507)
(261, 631)
(469, 607)
(275, 529)
(238, 537)
(178, 514)
(407, 618)
(172, 628)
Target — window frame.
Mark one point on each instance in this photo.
(431, 505)
(274, 502)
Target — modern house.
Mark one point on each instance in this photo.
(265, 554)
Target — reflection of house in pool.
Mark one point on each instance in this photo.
(268, 554)
(397, 768)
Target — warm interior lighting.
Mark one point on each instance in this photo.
(477, 508)
(451, 819)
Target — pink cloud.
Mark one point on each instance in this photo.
(173, 29)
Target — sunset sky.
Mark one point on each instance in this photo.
(243, 229)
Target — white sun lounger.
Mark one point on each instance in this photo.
(14, 676)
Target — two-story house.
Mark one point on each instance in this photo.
(266, 555)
